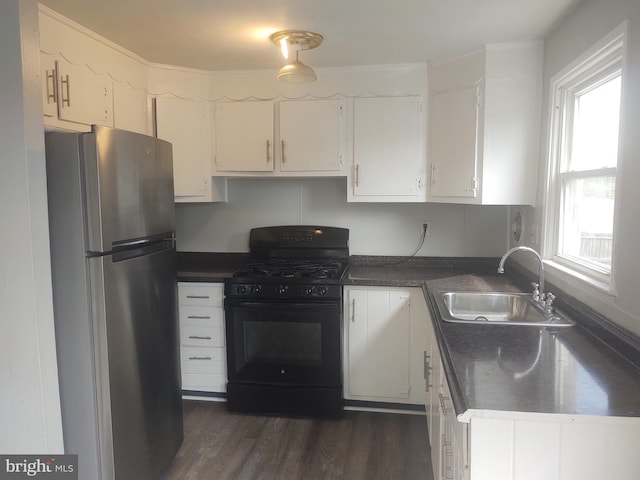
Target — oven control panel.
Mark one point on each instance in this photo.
(285, 290)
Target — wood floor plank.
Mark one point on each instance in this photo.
(219, 445)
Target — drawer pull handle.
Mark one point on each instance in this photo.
(198, 296)
(198, 337)
(200, 358)
(200, 317)
(66, 87)
(51, 93)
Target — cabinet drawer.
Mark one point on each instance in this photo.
(202, 360)
(201, 315)
(204, 382)
(201, 336)
(203, 294)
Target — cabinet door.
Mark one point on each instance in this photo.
(453, 143)
(378, 345)
(389, 157)
(131, 108)
(84, 96)
(436, 417)
(243, 136)
(185, 124)
(312, 135)
(432, 379)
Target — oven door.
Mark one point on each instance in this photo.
(284, 343)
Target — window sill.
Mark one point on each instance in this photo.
(601, 290)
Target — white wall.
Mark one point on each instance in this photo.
(29, 399)
(375, 228)
(591, 21)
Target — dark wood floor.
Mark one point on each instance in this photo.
(219, 445)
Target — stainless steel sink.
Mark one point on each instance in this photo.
(486, 308)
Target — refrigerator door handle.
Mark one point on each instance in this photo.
(138, 242)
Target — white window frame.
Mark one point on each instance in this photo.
(595, 65)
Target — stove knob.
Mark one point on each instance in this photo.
(308, 291)
(256, 289)
(322, 291)
(241, 290)
(282, 289)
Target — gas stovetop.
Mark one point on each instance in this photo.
(284, 268)
(293, 262)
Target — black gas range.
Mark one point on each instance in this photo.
(283, 322)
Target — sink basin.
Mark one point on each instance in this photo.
(484, 308)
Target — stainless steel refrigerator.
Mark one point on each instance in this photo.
(111, 214)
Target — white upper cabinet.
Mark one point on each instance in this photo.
(287, 138)
(312, 135)
(389, 152)
(484, 124)
(453, 137)
(131, 109)
(187, 126)
(243, 136)
(73, 94)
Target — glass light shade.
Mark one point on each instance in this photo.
(296, 72)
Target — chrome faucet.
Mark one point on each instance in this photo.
(539, 295)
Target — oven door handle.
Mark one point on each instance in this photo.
(262, 304)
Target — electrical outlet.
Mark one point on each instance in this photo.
(425, 227)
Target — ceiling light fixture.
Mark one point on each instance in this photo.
(296, 40)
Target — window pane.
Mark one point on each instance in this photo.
(595, 127)
(587, 220)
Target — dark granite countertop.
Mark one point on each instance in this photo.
(589, 369)
(209, 267)
(530, 369)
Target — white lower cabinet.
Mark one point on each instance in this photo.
(505, 445)
(383, 345)
(202, 337)
(447, 436)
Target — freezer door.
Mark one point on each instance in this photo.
(135, 324)
(128, 186)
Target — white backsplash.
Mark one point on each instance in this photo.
(375, 228)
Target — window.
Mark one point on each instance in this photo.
(583, 162)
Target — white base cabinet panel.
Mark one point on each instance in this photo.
(383, 345)
(553, 447)
(202, 337)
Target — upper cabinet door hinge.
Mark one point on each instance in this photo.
(474, 187)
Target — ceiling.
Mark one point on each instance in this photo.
(233, 34)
